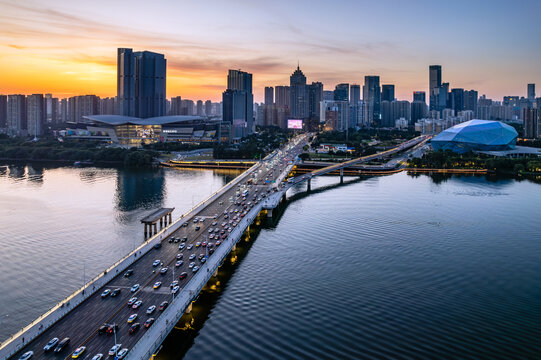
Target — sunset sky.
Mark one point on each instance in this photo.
(69, 47)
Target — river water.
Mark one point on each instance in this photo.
(386, 267)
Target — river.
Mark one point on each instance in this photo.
(386, 267)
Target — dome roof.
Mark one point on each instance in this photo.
(476, 135)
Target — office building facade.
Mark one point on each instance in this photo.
(387, 93)
(372, 96)
(141, 80)
(269, 95)
(298, 93)
(238, 103)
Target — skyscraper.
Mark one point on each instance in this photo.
(470, 101)
(199, 108)
(141, 78)
(282, 96)
(341, 92)
(35, 114)
(434, 84)
(387, 93)
(315, 95)
(208, 108)
(269, 95)
(298, 94)
(238, 103)
(457, 100)
(531, 123)
(3, 111)
(16, 115)
(354, 94)
(175, 105)
(419, 96)
(79, 106)
(372, 96)
(531, 92)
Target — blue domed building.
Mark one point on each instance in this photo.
(480, 135)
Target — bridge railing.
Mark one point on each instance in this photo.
(15, 342)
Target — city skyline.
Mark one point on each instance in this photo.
(79, 56)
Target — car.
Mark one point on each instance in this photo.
(158, 245)
(134, 288)
(195, 268)
(219, 242)
(157, 284)
(102, 329)
(97, 357)
(128, 273)
(201, 256)
(211, 230)
(192, 264)
(177, 240)
(184, 239)
(122, 353)
(171, 239)
(203, 260)
(197, 244)
(51, 344)
(105, 293)
(216, 230)
(156, 263)
(163, 306)
(175, 290)
(211, 236)
(195, 220)
(179, 263)
(112, 328)
(27, 355)
(132, 318)
(151, 309)
(134, 328)
(137, 304)
(185, 224)
(115, 292)
(78, 352)
(149, 322)
(173, 284)
(216, 215)
(214, 223)
(204, 243)
(114, 350)
(181, 246)
(179, 256)
(197, 228)
(202, 219)
(61, 345)
(192, 256)
(164, 270)
(183, 275)
(189, 247)
(132, 301)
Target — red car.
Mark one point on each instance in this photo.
(149, 322)
(183, 275)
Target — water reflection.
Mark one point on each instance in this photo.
(140, 189)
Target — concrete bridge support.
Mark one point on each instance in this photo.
(269, 213)
(309, 186)
(341, 176)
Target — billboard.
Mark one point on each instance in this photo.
(294, 124)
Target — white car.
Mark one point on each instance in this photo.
(137, 304)
(195, 268)
(27, 355)
(175, 289)
(122, 353)
(192, 264)
(97, 357)
(164, 270)
(151, 309)
(134, 288)
(114, 349)
(51, 344)
(156, 263)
